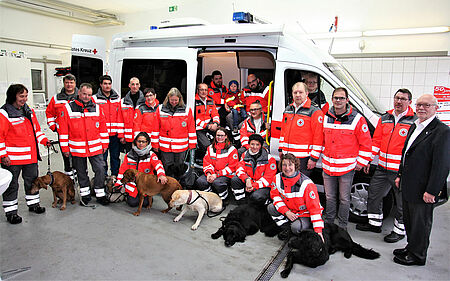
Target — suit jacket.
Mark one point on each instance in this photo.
(425, 166)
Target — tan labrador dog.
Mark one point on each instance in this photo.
(195, 200)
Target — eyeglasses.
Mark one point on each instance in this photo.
(250, 82)
(221, 136)
(401, 99)
(142, 141)
(311, 82)
(339, 98)
(254, 109)
(424, 105)
(148, 96)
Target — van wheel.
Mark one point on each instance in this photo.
(358, 203)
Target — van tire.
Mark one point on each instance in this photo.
(358, 203)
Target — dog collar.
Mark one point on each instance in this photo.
(190, 197)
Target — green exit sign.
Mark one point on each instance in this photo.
(173, 9)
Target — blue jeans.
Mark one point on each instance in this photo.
(333, 186)
(238, 116)
(114, 150)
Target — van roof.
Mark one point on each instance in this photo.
(206, 31)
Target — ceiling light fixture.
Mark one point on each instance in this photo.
(381, 32)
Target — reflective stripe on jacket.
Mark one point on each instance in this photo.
(262, 171)
(111, 109)
(205, 113)
(222, 163)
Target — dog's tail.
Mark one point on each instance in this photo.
(364, 253)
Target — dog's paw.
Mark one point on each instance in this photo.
(63, 208)
(194, 227)
(136, 214)
(177, 219)
(54, 205)
(285, 273)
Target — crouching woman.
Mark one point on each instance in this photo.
(296, 206)
(140, 158)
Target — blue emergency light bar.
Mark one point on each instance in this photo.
(242, 17)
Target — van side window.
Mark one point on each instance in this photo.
(87, 70)
(320, 90)
(160, 74)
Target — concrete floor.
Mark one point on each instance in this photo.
(109, 243)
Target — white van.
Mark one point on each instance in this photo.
(181, 57)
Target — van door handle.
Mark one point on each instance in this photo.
(278, 128)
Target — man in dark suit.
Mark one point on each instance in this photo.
(422, 175)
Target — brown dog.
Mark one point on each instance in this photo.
(148, 185)
(62, 187)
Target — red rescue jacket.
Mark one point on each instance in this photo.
(248, 128)
(220, 161)
(128, 113)
(111, 109)
(347, 142)
(260, 94)
(262, 171)
(205, 113)
(302, 131)
(174, 129)
(147, 164)
(82, 129)
(19, 135)
(145, 116)
(389, 138)
(217, 95)
(299, 195)
(56, 106)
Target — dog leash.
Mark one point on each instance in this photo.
(52, 147)
(215, 214)
(77, 184)
(115, 190)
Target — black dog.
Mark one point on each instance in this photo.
(308, 248)
(246, 220)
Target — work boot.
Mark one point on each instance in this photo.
(285, 232)
(103, 201)
(368, 227)
(37, 209)
(85, 200)
(14, 219)
(393, 237)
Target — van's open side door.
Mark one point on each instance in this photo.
(88, 60)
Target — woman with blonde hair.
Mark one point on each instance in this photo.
(174, 132)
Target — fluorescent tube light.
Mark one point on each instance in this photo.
(407, 31)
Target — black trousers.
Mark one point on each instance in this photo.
(66, 160)
(219, 185)
(418, 219)
(29, 174)
(98, 166)
(173, 163)
(203, 141)
(256, 197)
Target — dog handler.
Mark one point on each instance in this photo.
(20, 134)
(219, 165)
(144, 160)
(83, 134)
(296, 205)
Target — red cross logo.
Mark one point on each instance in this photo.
(95, 51)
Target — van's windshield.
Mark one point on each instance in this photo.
(356, 87)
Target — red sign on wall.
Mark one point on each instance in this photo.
(442, 95)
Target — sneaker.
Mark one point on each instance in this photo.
(37, 209)
(368, 227)
(14, 219)
(103, 201)
(393, 237)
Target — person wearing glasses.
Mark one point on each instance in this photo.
(422, 177)
(316, 96)
(145, 114)
(255, 91)
(388, 141)
(302, 129)
(140, 158)
(206, 119)
(219, 165)
(347, 147)
(254, 124)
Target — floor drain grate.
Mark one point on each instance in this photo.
(271, 267)
(11, 273)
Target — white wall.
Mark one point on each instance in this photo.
(384, 76)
